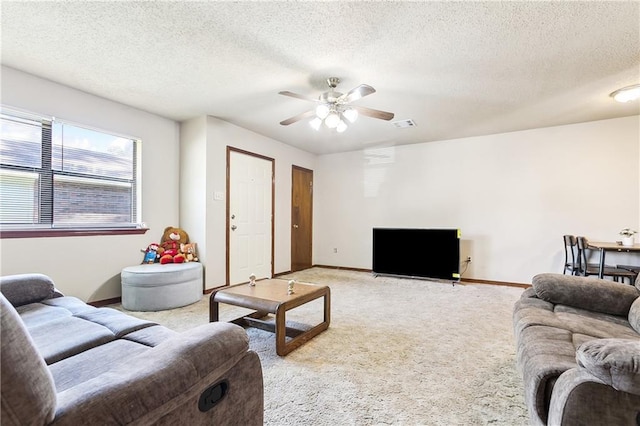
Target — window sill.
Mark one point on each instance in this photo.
(46, 233)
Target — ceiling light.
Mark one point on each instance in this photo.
(350, 114)
(341, 127)
(627, 94)
(322, 111)
(332, 120)
(315, 123)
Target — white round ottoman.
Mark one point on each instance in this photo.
(158, 287)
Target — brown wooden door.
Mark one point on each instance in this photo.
(301, 218)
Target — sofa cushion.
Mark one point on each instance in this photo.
(32, 396)
(83, 367)
(531, 312)
(70, 303)
(614, 361)
(591, 294)
(66, 337)
(26, 288)
(151, 336)
(35, 314)
(65, 326)
(117, 322)
(634, 315)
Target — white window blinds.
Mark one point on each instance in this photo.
(56, 174)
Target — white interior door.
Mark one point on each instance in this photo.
(250, 217)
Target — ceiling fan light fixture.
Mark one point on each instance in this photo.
(322, 111)
(350, 114)
(627, 94)
(332, 120)
(315, 123)
(332, 107)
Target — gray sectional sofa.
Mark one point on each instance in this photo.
(65, 362)
(578, 349)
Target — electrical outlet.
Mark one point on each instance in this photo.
(468, 259)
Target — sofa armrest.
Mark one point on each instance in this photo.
(27, 390)
(616, 362)
(592, 294)
(23, 289)
(580, 398)
(166, 379)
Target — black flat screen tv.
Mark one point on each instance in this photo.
(424, 253)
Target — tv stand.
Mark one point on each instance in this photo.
(453, 282)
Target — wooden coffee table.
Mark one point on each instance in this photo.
(270, 297)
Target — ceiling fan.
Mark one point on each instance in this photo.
(334, 108)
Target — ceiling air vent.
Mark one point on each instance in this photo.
(401, 124)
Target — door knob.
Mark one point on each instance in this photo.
(295, 226)
(233, 227)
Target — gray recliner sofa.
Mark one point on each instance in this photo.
(578, 349)
(66, 362)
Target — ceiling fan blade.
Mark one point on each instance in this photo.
(357, 93)
(374, 113)
(298, 117)
(295, 95)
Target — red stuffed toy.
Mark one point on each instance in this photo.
(169, 249)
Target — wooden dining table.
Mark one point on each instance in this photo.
(604, 247)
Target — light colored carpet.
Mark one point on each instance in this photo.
(398, 352)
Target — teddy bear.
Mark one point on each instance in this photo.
(189, 251)
(170, 242)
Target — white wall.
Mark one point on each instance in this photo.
(513, 195)
(89, 267)
(193, 182)
(207, 217)
(178, 185)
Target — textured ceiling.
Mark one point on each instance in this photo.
(457, 69)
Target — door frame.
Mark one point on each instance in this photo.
(231, 149)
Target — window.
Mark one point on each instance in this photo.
(60, 176)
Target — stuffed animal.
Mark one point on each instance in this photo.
(151, 253)
(189, 251)
(169, 249)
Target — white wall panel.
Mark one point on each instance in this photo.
(513, 195)
(89, 267)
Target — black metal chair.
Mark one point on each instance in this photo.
(571, 257)
(633, 268)
(587, 269)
